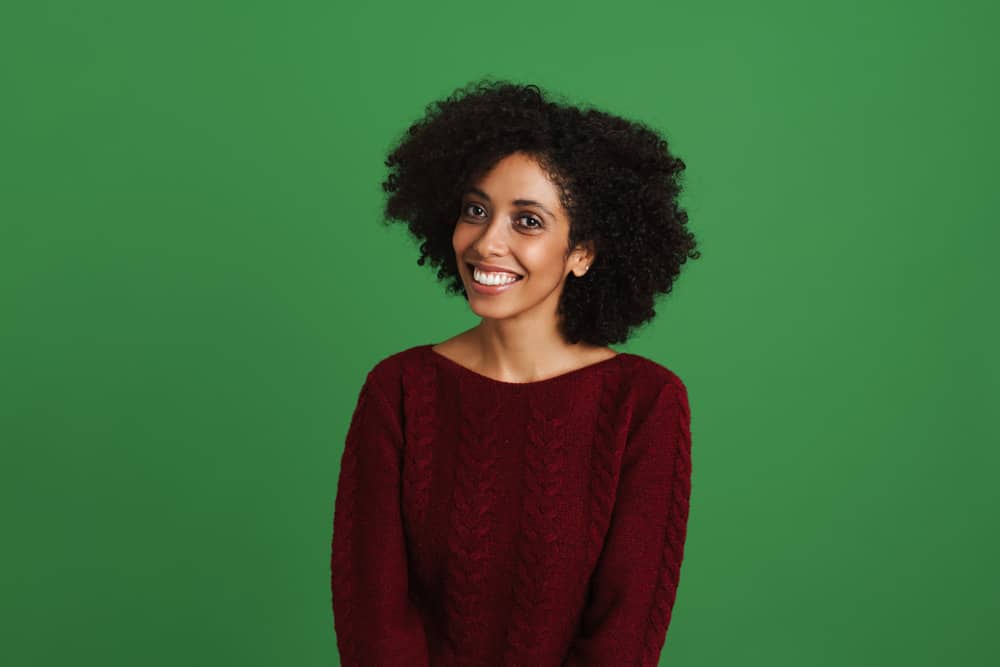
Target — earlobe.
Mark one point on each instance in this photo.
(586, 258)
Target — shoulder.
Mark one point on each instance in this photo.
(388, 372)
(398, 361)
(652, 376)
(655, 387)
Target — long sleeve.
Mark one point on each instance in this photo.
(376, 623)
(634, 583)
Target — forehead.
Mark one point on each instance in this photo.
(519, 176)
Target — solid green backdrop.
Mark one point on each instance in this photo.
(194, 282)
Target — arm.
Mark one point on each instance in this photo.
(635, 580)
(376, 623)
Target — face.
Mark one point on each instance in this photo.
(512, 219)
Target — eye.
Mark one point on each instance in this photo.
(533, 219)
(468, 206)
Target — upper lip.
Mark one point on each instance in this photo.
(493, 268)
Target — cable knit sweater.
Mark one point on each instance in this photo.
(538, 524)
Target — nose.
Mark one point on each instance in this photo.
(492, 240)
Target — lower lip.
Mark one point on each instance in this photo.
(492, 289)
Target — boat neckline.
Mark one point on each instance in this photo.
(429, 347)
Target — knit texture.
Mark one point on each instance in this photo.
(489, 523)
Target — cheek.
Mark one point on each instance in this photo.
(542, 261)
(458, 239)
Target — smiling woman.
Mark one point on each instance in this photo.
(518, 494)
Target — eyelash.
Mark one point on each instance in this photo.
(540, 224)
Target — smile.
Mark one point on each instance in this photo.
(492, 283)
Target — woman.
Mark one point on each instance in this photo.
(518, 494)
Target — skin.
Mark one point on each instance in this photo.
(517, 338)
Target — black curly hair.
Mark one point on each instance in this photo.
(617, 180)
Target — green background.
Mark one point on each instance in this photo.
(194, 282)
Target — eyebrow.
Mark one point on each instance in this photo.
(516, 202)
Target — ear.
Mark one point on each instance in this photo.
(583, 257)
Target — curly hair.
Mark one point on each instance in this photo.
(616, 178)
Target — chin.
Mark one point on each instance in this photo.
(488, 312)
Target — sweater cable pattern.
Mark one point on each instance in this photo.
(494, 524)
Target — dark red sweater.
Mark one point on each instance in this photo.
(481, 522)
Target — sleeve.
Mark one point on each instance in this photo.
(375, 621)
(634, 583)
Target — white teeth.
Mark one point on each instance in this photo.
(492, 278)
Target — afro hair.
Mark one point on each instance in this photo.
(618, 183)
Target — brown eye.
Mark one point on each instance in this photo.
(468, 206)
(537, 223)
